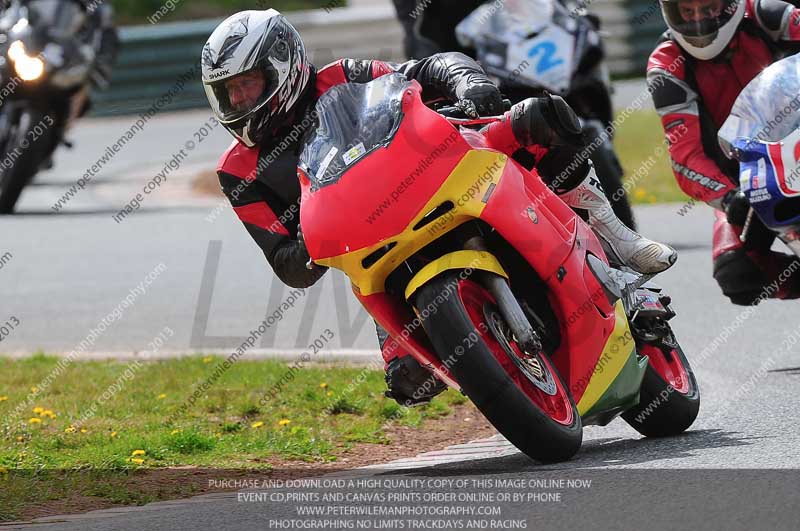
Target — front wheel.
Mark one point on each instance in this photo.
(669, 399)
(521, 394)
(27, 145)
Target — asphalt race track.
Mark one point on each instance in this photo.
(69, 270)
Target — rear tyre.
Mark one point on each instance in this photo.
(521, 394)
(24, 150)
(669, 399)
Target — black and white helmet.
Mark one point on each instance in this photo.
(255, 70)
(704, 28)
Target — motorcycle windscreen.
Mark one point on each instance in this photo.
(353, 119)
(767, 109)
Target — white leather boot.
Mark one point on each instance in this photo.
(631, 248)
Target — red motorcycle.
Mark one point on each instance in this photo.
(484, 275)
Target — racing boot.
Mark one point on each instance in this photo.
(409, 383)
(628, 247)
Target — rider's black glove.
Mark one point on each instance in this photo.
(309, 263)
(736, 207)
(482, 99)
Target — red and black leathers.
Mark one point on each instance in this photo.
(693, 99)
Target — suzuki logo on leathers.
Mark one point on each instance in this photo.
(218, 75)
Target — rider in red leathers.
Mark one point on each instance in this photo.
(712, 49)
(263, 90)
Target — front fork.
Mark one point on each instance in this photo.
(509, 307)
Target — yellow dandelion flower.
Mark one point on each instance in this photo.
(175, 432)
(34, 420)
(284, 422)
(37, 410)
(3, 398)
(256, 424)
(20, 439)
(137, 452)
(71, 429)
(640, 193)
(113, 434)
(162, 396)
(330, 393)
(323, 385)
(48, 413)
(136, 460)
(84, 430)
(208, 359)
(34, 389)
(652, 198)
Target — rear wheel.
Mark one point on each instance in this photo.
(669, 399)
(520, 393)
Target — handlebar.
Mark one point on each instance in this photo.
(455, 115)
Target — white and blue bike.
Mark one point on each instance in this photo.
(762, 133)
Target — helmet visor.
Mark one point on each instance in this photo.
(698, 21)
(235, 97)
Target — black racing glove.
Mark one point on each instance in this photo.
(736, 207)
(482, 99)
(309, 263)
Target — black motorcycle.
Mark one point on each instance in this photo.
(46, 69)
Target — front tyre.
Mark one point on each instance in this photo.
(521, 394)
(669, 399)
(27, 145)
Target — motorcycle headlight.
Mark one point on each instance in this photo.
(28, 68)
(16, 50)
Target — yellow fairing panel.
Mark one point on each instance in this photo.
(457, 260)
(466, 185)
(616, 353)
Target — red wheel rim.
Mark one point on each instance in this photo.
(557, 406)
(668, 366)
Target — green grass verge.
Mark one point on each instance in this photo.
(639, 143)
(317, 414)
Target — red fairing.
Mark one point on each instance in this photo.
(383, 208)
(239, 161)
(546, 232)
